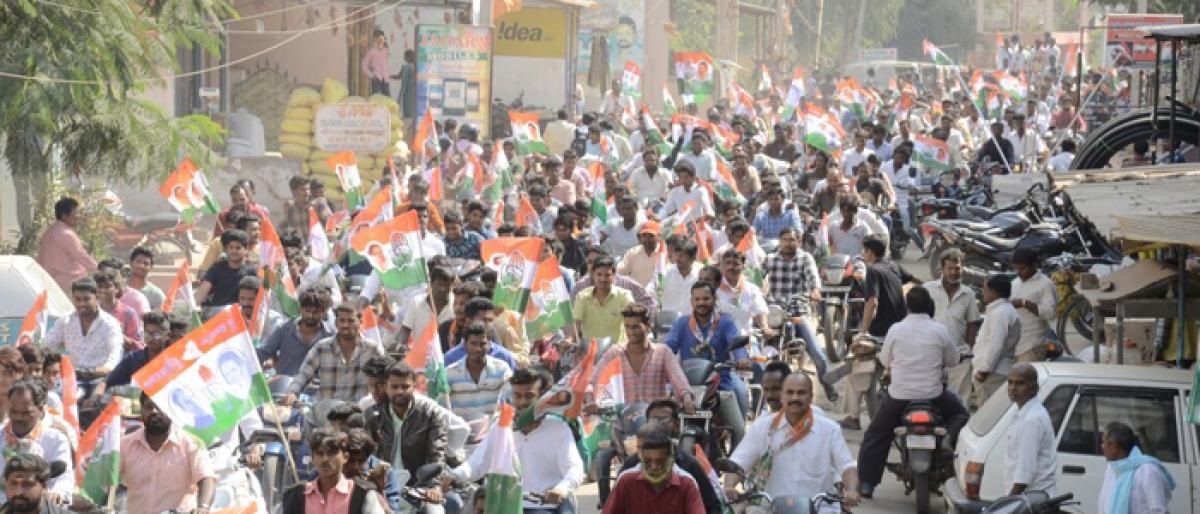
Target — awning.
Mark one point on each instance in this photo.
(1149, 193)
(1138, 233)
(1180, 31)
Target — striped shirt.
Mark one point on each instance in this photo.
(341, 378)
(476, 401)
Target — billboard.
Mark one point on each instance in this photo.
(454, 73)
(533, 42)
(1125, 46)
(622, 24)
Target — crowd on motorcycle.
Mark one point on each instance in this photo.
(709, 301)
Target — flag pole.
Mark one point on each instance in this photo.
(287, 446)
(983, 115)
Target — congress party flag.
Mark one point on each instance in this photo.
(598, 208)
(726, 186)
(187, 191)
(527, 134)
(695, 70)
(526, 216)
(795, 90)
(208, 380)
(502, 478)
(33, 327)
(394, 249)
(549, 306)
(748, 247)
(934, 53)
(823, 131)
(610, 384)
(425, 142)
(425, 353)
(631, 80)
(98, 461)
(1014, 87)
(370, 329)
(516, 262)
(70, 390)
(181, 289)
(856, 98)
(318, 241)
(345, 166)
(932, 153)
(668, 101)
(278, 277)
(258, 320)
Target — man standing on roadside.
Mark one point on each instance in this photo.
(955, 308)
(62, 254)
(1034, 298)
(1029, 455)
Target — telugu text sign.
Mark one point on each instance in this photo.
(362, 127)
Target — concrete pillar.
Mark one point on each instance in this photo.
(655, 70)
(727, 30)
(1049, 19)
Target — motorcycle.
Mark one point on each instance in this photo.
(866, 371)
(275, 474)
(1028, 502)
(790, 347)
(621, 444)
(841, 309)
(924, 462)
(754, 501)
(704, 379)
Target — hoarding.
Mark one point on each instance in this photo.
(1125, 46)
(454, 73)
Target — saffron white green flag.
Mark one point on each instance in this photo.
(187, 191)
(318, 240)
(516, 262)
(753, 270)
(393, 248)
(527, 133)
(935, 54)
(425, 353)
(502, 480)
(668, 101)
(932, 153)
(549, 307)
(181, 289)
(98, 462)
(209, 379)
(610, 385)
(823, 131)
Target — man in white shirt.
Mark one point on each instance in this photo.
(89, 335)
(27, 431)
(1028, 147)
(741, 299)
(917, 351)
(702, 158)
(955, 308)
(621, 233)
(650, 183)
(879, 144)
(856, 155)
(996, 344)
(1029, 451)
(559, 133)
(904, 178)
(1133, 482)
(808, 451)
(955, 140)
(1062, 160)
(1035, 298)
(687, 191)
(847, 233)
(679, 277)
(418, 310)
(638, 262)
(545, 449)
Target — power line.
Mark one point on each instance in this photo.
(340, 22)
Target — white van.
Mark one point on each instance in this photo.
(887, 70)
(1082, 399)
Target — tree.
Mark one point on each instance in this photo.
(838, 28)
(75, 70)
(953, 31)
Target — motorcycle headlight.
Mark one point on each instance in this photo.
(832, 276)
(775, 317)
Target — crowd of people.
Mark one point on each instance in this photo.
(682, 220)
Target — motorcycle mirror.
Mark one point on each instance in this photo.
(740, 342)
(725, 465)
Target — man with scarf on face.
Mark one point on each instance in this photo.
(163, 468)
(797, 452)
(1134, 482)
(25, 480)
(27, 431)
(710, 335)
(656, 484)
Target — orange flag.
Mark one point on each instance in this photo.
(69, 399)
(581, 376)
(33, 328)
(526, 216)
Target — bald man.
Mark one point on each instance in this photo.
(1029, 455)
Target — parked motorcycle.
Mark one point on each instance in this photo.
(1028, 502)
(924, 462)
(622, 444)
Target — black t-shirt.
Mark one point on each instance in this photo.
(885, 281)
(224, 280)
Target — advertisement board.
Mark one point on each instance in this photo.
(454, 73)
(364, 127)
(1125, 46)
(532, 42)
(876, 54)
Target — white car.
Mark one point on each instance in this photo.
(1082, 399)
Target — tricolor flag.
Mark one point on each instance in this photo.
(370, 329)
(905, 104)
(394, 249)
(502, 478)
(610, 385)
(726, 187)
(631, 80)
(425, 142)
(1014, 87)
(318, 241)
(526, 216)
(724, 139)
(823, 131)
(795, 92)
(69, 393)
(744, 102)
(181, 289)
(682, 125)
(279, 279)
(379, 209)
(527, 134)
(33, 327)
(187, 191)
(516, 262)
(578, 379)
(549, 306)
(753, 270)
(677, 222)
(931, 152)
(425, 354)
(934, 53)
(764, 79)
(209, 380)
(258, 321)
(709, 472)
(599, 208)
(857, 99)
(654, 135)
(345, 166)
(98, 462)
(668, 101)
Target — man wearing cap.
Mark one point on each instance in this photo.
(639, 262)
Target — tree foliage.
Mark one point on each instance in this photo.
(952, 28)
(838, 27)
(695, 24)
(81, 112)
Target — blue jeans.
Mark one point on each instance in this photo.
(814, 350)
(566, 507)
